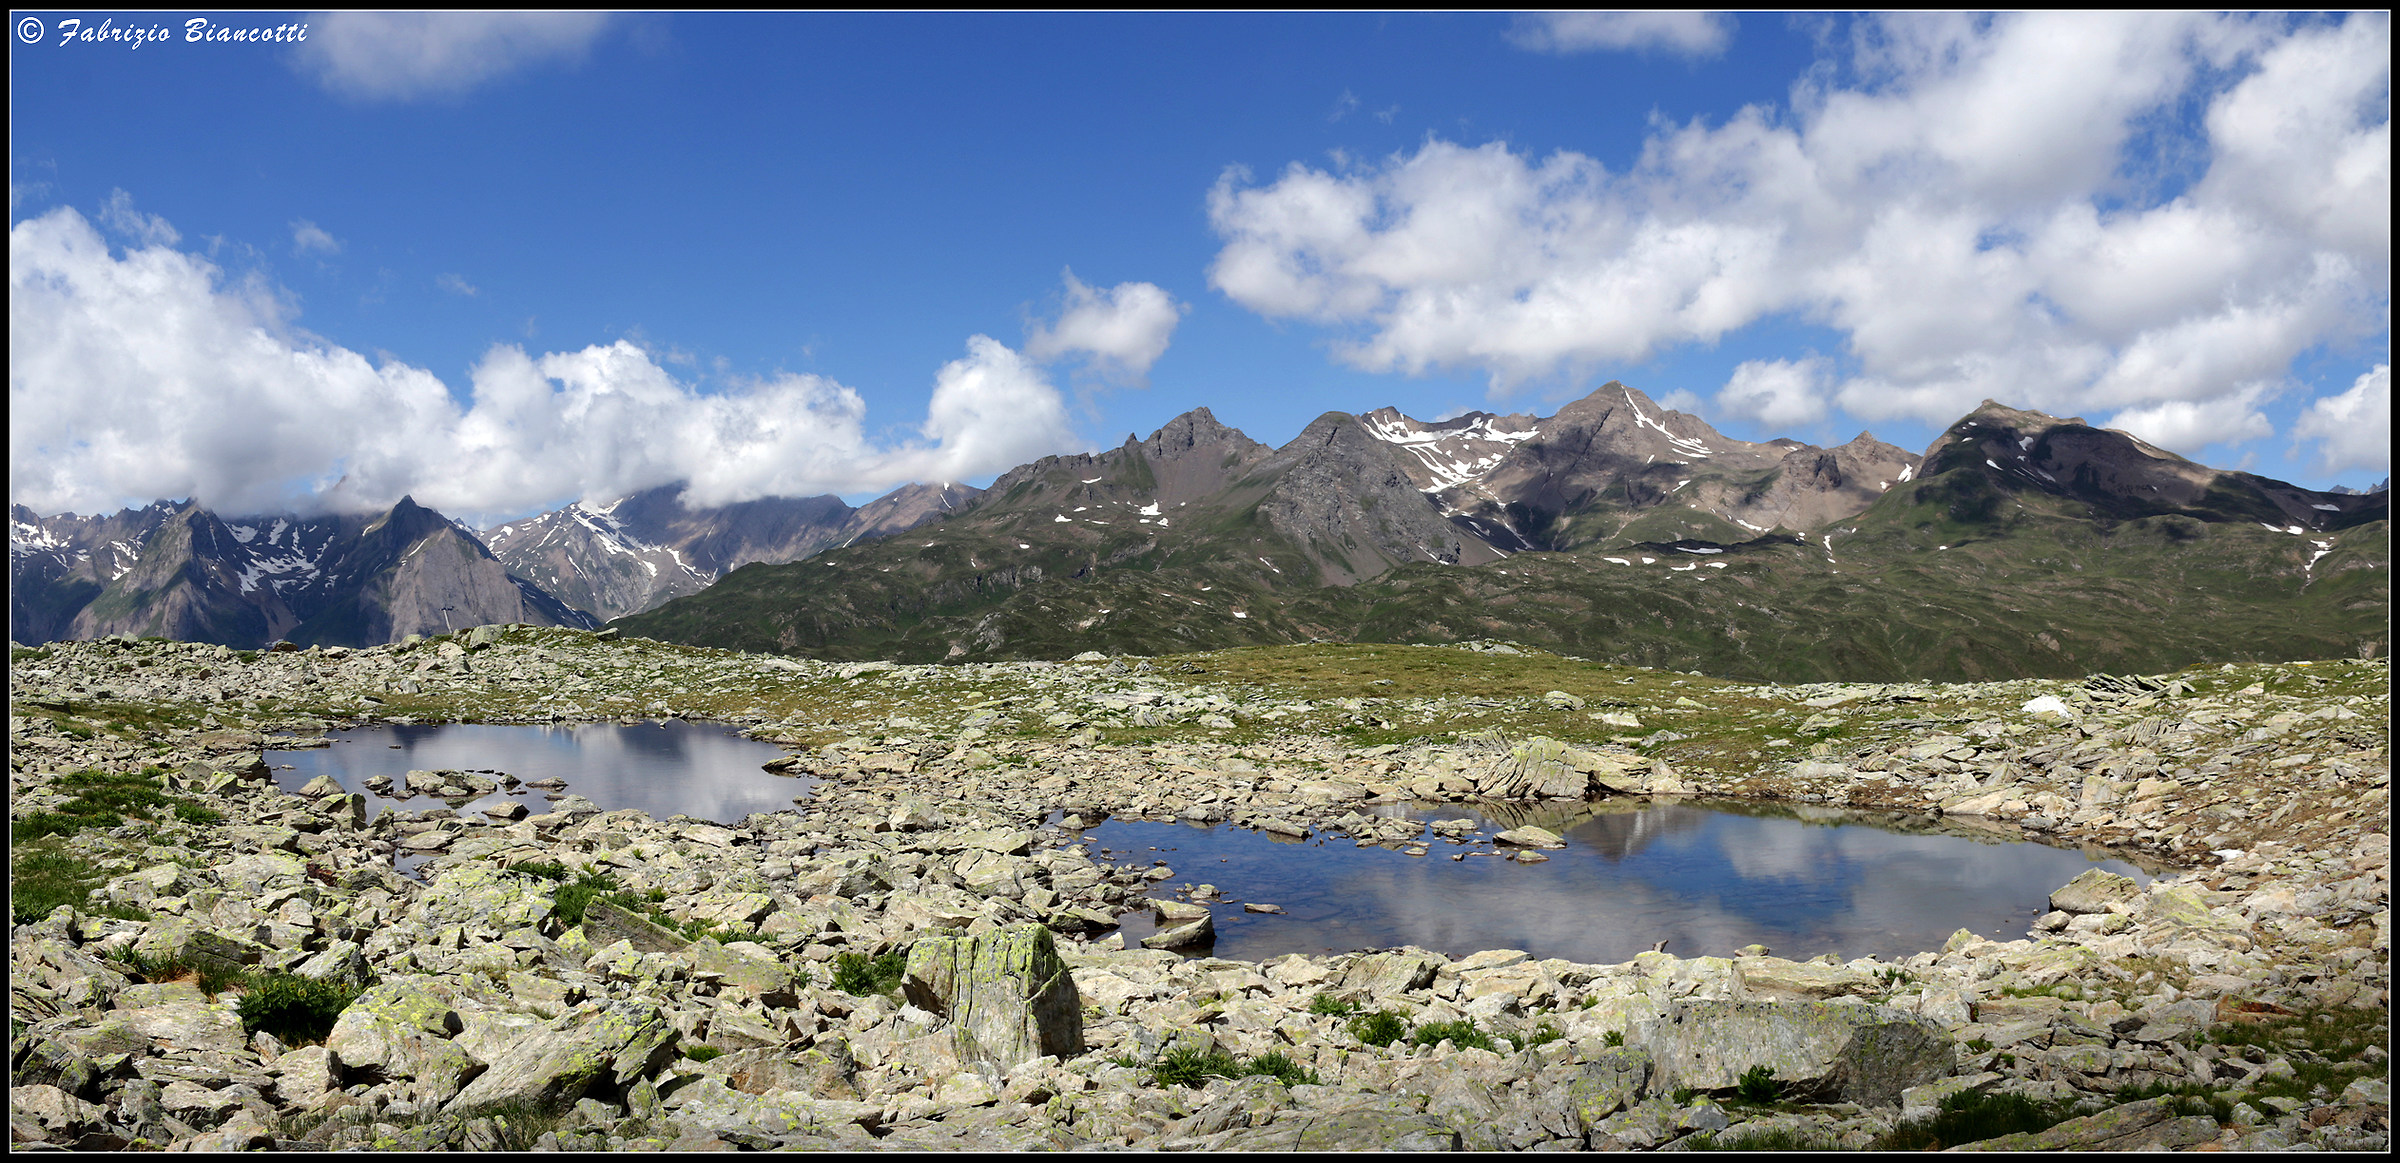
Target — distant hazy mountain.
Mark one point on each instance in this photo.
(2018, 544)
(180, 571)
(636, 552)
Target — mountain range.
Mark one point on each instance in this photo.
(2017, 543)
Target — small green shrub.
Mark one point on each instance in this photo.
(1771, 1139)
(191, 813)
(702, 1053)
(1462, 1033)
(1613, 1038)
(859, 974)
(1970, 1117)
(1381, 1028)
(1327, 1005)
(1185, 1066)
(545, 869)
(294, 1009)
(571, 900)
(1758, 1086)
(1274, 1064)
(1544, 1034)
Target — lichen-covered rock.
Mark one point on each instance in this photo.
(187, 1025)
(2148, 1125)
(2094, 891)
(741, 967)
(1008, 995)
(605, 924)
(1820, 1051)
(483, 896)
(187, 940)
(401, 1031)
(551, 1068)
(1610, 1082)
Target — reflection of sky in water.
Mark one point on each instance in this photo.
(664, 768)
(1707, 881)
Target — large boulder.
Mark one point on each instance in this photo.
(1819, 1051)
(1008, 995)
(2094, 891)
(401, 1030)
(1386, 974)
(550, 1069)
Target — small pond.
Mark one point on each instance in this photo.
(1706, 877)
(664, 767)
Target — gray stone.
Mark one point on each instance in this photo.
(400, 1031)
(552, 1068)
(1384, 974)
(1820, 1051)
(2093, 891)
(1007, 994)
(1610, 1082)
(1190, 934)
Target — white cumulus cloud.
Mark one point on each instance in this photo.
(403, 56)
(1120, 331)
(1777, 392)
(147, 374)
(1691, 34)
(1977, 205)
(2353, 429)
(310, 238)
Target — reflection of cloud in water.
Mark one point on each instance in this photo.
(663, 768)
(1706, 881)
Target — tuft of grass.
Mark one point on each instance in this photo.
(1381, 1028)
(1185, 1066)
(1772, 1139)
(1613, 1038)
(295, 1009)
(545, 869)
(569, 903)
(1544, 1034)
(1463, 1033)
(191, 813)
(702, 1053)
(1971, 1117)
(863, 976)
(1327, 1005)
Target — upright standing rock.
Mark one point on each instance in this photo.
(1006, 992)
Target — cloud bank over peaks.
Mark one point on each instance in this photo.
(146, 375)
(1977, 204)
(1119, 332)
(405, 56)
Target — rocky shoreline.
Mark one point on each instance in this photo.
(696, 1005)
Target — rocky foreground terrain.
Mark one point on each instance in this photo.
(922, 954)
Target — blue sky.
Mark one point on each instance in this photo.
(502, 262)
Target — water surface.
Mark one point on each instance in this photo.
(1707, 878)
(664, 767)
